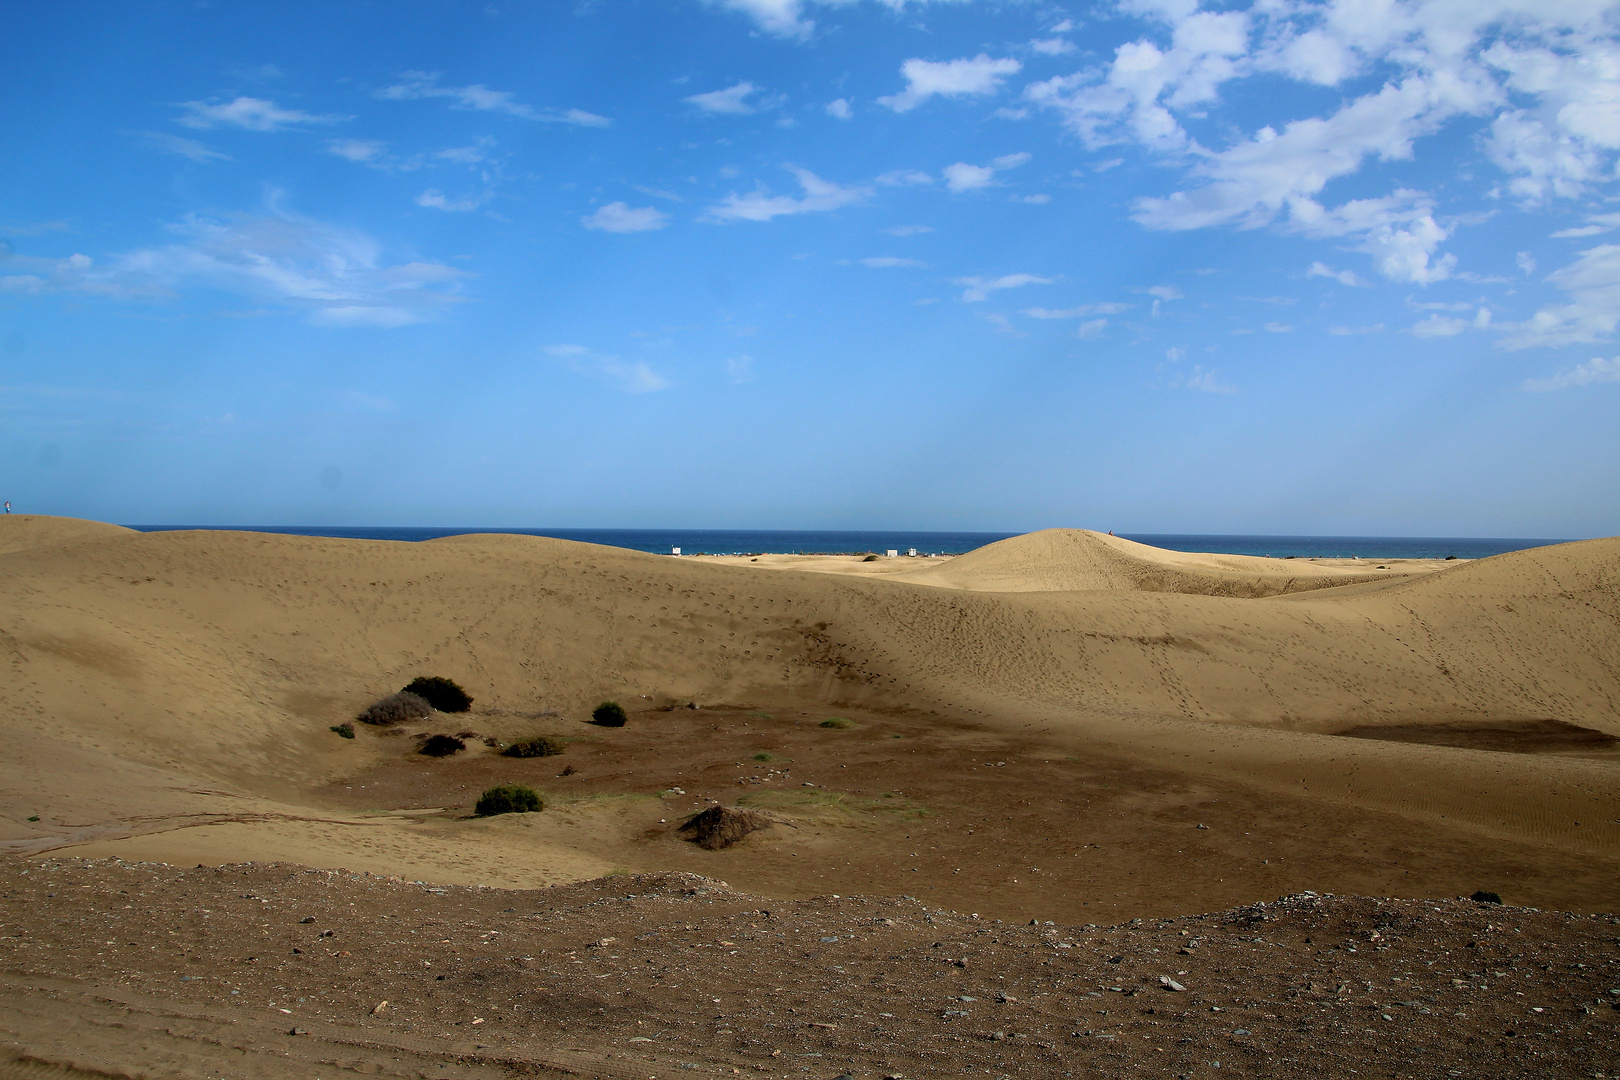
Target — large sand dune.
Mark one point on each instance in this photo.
(174, 690)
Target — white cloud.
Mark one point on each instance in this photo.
(905, 178)
(1165, 292)
(254, 114)
(1525, 261)
(1561, 144)
(1054, 46)
(819, 195)
(1206, 382)
(909, 230)
(435, 199)
(1343, 277)
(733, 101)
(973, 77)
(1595, 370)
(1092, 328)
(1345, 331)
(1279, 328)
(632, 378)
(1439, 326)
(740, 369)
(619, 217)
(1599, 223)
(363, 151)
(840, 109)
(979, 288)
(337, 275)
(186, 148)
(1076, 312)
(884, 262)
(1592, 313)
(783, 18)
(1175, 355)
(964, 177)
(416, 85)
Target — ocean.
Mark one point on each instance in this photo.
(813, 541)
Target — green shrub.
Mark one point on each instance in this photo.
(345, 730)
(509, 799)
(539, 746)
(397, 708)
(762, 756)
(837, 722)
(609, 714)
(870, 558)
(1484, 897)
(441, 746)
(442, 694)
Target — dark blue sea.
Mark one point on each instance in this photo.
(818, 542)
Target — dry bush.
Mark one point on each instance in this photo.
(442, 694)
(722, 826)
(400, 708)
(441, 746)
(609, 714)
(508, 799)
(539, 746)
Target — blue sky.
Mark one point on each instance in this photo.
(1343, 267)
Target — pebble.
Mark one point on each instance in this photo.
(1170, 984)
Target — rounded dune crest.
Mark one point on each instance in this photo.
(1082, 560)
(22, 532)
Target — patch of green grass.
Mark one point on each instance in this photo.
(761, 716)
(509, 799)
(837, 722)
(762, 756)
(344, 730)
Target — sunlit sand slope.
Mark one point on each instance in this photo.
(1077, 560)
(151, 676)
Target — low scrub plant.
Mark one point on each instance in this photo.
(344, 730)
(837, 722)
(441, 746)
(509, 799)
(609, 714)
(400, 708)
(442, 694)
(539, 746)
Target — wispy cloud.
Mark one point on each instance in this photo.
(1592, 313)
(909, 230)
(1076, 312)
(337, 275)
(819, 195)
(1595, 370)
(631, 377)
(1206, 381)
(734, 100)
(360, 151)
(415, 85)
(973, 77)
(620, 217)
(434, 199)
(1343, 277)
(186, 148)
(254, 114)
(884, 262)
(840, 109)
(962, 176)
(979, 288)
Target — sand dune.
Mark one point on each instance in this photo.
(158, 682)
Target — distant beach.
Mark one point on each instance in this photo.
(850, 542)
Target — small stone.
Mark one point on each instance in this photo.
(306, 920)
(379, 1008)
(998, 1036)
(1170, 984)
(297, 1031)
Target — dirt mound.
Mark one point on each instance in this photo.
(20, 532)
(1079, 560)
(721, 826)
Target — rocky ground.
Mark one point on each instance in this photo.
(121, 969)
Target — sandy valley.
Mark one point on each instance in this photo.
(1064, 727)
